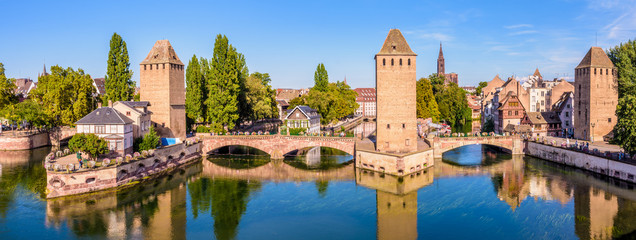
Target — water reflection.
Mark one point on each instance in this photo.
(152, 211)
(319, 158)
(475, 155)
(234, 197)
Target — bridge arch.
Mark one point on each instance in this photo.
(276, 145)
(511, 144)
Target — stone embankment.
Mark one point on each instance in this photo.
(24, 140)
(598, 163)
(65, 181)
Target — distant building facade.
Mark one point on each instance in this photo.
(366, 102)
(100, 86)
(564, 108)
(24, 86)
(595, 96)
(284, 96)
(395, 68)
(303, 117)
(509, 112)
(162, 85)
(542, 123)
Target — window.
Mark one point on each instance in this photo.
(409, 61)
(383, 62)
(567, 123)
(150, 66)
(509, 113)
(609, 120)
(568, 106)
(388, 126)
(408, 142)
(392, 62)
(113, 128)
(542, 102)
(144, 67)
(542, 94)
(595, 71)
(567, 114)
(516, 112)
(100, 129)
(164, 66)
(128, 113)
(403, 125)
(400, 62)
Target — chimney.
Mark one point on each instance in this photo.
(99, 104)
(110, 103)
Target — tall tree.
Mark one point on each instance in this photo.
(453, 106)
(321, 78)
(66, 94)
(223, 86)
(7, 89)
(481, 86)
(118, 83)
(195, 90)
(426, 103)
(624, 58)
(260, 96)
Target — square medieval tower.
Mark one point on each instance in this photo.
(595, 96)
(162, 84)
(395, 81)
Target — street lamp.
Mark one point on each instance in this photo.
(592, 137)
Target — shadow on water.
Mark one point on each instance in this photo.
(318, 158)
(476, 155)
(239, 157)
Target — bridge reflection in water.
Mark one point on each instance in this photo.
(603, 208)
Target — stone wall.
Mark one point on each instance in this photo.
(393, 164)
(84, 181)
(9, 142)
(604, 166)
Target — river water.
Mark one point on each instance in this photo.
(475, 192)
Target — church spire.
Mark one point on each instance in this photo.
(440, 61)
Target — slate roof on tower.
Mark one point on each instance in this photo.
(395, 44)
(596, 57)
(162, 52)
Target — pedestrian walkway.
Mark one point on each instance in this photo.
(601, 146)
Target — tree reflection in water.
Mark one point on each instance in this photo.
(225, 199)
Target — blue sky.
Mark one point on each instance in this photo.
(289, 38)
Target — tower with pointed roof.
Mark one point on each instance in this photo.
(595, 96)
(396, 123)
(440, 61)
(162, 84)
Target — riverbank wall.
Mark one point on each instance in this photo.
(14, 142)
(604, 166)
(65, 183)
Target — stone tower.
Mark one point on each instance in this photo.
(595, 96)
(440, 62)
(395, 83)
(162, 84)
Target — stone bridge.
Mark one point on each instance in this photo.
(278, 171)
(278, 145)
(512, 144)
(61, 134)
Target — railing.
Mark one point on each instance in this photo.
(583, 148)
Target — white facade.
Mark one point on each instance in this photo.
(119, 137)
(539, 99)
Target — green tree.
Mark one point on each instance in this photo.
(223, 86)
(7, 89)
(337, 102)
(489, 126)
(88, 143)
(66, 94)
(321, 78)
(195, 90)
(480, 87)
(118, 83)
(260, 96)
(437, 81)
(624, 58)
(453, 106)
(28, 111)
(426, 103)
(151, 140)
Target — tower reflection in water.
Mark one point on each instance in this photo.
(601, 208)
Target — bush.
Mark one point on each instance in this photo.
(203, 129)
(296, 131)
(150, 141)
(88, 143)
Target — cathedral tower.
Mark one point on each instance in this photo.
(396, 107)
(162, 84)
(595, 96)
(440, 62)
